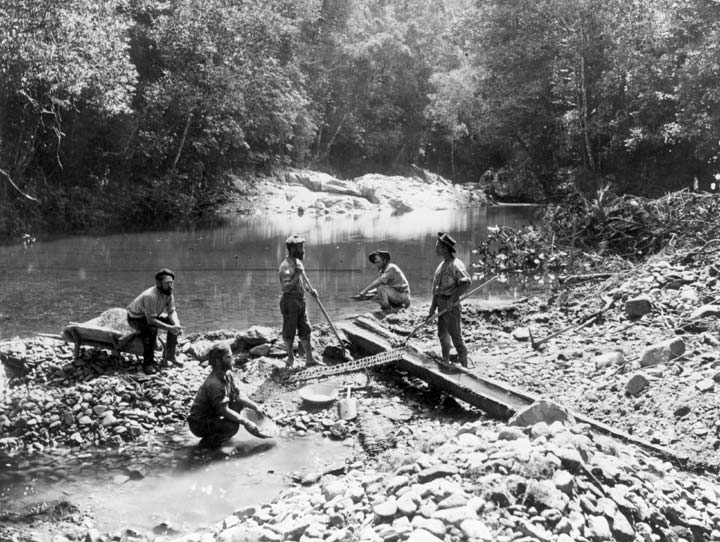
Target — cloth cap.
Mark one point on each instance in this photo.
(384, 253)
(218, 351)
(445, 239)
(164, 272)
(294, 240)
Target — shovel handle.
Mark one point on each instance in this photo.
(313, 293)
(448, 309)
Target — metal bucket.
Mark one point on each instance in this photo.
(347, 407)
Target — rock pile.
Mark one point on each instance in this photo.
(53, 400)
(485, 482)
(651, 375)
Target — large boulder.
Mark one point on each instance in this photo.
(638, 307)
(662, 352)
(541, 411)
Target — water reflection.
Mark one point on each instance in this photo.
(227, 275)
(183, 486)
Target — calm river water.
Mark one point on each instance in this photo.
(226, 276)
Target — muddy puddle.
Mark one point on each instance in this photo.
(169, 484)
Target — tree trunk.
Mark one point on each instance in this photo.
(582, 96)
(182, 140)
(586, 116)
(326, 152)
(452, 157)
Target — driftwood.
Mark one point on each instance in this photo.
(690, 256)
(586, 321)
(572, 279)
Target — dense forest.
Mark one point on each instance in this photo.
(137, 111)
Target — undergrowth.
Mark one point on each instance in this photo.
(602, 234)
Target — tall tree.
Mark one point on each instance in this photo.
(57, 59)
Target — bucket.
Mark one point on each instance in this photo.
(347, 407)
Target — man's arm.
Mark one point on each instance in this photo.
(229, 414)
(247, 403)
(458, 291)
(433, 306)
(170, 328)
(289, 284)
(462, 282)
(374, 284)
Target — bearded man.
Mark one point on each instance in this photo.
(152, 310)
(292, 302)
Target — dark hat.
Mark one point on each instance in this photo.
(384, 253)
(164, 272)
(445, 239)
(294, 240)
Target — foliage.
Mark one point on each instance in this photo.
(150, 104)
(57, 57)
(583, 234)
(524, 250)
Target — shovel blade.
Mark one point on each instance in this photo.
(337, 353)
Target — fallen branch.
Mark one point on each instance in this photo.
(586, 321)
(16, 187)
(570, 279)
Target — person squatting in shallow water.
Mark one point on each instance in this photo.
(292, 301)
(215, 412)
(451, 281)
(145, 314)
(392, 290)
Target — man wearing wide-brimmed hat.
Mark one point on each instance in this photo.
(152, 310)
(451, 281)
(292, 302)
(392, 290)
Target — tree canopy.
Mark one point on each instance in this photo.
(137, 111)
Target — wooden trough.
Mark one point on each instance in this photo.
(110, 330)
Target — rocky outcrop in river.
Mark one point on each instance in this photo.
(305, 191)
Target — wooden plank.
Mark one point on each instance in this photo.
(364, 340)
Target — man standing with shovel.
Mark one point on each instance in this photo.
(451, 281)
(292, 302)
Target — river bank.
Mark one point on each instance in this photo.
(647, 366)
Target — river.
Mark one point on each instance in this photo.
(226, 276)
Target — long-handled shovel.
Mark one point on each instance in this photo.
(448, 309)
(346, 356)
